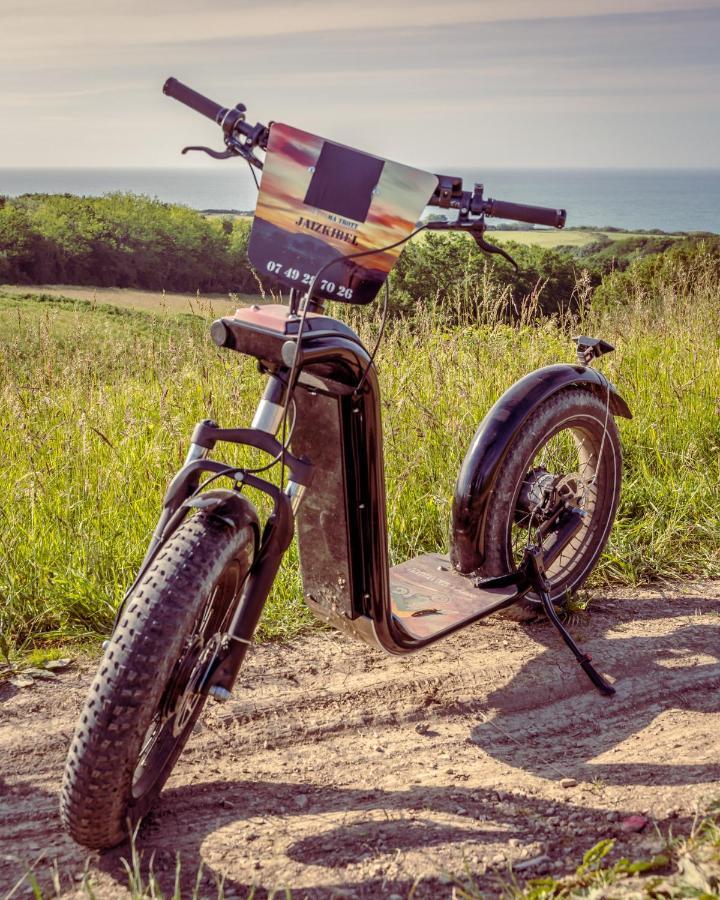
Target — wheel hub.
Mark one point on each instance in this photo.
(181, 699)
(541, 492)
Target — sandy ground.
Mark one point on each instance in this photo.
(336, 771)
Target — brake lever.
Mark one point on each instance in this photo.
(234, 148)
(477, 230)
(216, 154)
(492, 248)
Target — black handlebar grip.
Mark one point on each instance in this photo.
(520, 212)
(206, 107)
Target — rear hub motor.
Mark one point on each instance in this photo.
(542, 493)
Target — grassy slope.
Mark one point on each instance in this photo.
(552, 238)
(561, 238)
(143, 301)
(99, 403)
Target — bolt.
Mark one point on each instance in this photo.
(106, 644)
(220, 694)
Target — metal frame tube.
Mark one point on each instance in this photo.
(269, 412)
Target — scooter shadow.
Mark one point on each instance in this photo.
(561, 732)
(551, 722)
(360, 825)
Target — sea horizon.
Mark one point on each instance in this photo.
(681, 198)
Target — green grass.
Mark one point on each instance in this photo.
(165, 303)
(558, 238)
(552, 238)
(97, 405)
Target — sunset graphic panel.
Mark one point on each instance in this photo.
(321, 201)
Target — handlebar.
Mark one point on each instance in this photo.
(521, 212)
(232, 121)
(206, 107)
(449, 194)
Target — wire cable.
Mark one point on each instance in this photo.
(605, 428)
(301, 329)
(342, 257)
(252, 172)
(381, 333)
(290, 389)
(230, 470)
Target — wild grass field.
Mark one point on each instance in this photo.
(158, 302)
(98, 401)
(552, 238)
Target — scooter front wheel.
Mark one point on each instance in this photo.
(142, 707)
(567, 452)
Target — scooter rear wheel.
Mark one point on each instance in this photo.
(141, 708)
(570, 443)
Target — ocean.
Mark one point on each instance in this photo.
(669, 199)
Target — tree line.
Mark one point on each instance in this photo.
(121, 240)
(126, 240)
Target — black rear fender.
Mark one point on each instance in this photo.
(492, 441)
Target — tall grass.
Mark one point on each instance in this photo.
(97, 408)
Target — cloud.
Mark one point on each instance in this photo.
(415, 81)
(46, 27)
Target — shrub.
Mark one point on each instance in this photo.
(449, 271)
(120, 240)
(681, 269)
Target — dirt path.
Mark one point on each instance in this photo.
(340, 772)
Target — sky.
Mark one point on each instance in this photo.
(518, 83)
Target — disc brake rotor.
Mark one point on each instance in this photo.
(541, 492)
(181, 699)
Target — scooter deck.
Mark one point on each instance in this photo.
(430, 596)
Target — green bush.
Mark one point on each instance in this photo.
(606, 255)
(120, 240)
(449, 271)
(124, 240)
(683, 268)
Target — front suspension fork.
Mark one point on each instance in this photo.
(276, 536)
(231, 647)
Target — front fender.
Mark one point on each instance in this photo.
(491, 443)
(229, 506)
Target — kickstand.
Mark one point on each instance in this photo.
(535, 569)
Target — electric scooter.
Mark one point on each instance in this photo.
(534, 502)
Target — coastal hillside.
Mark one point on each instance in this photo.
(100, 398)
(130, 241)
(102, 384)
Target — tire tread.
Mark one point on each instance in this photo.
(96, 797)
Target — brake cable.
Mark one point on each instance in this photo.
(605, 426)
(341, 257)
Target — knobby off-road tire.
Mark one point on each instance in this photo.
(571, 421)
(114, 770)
